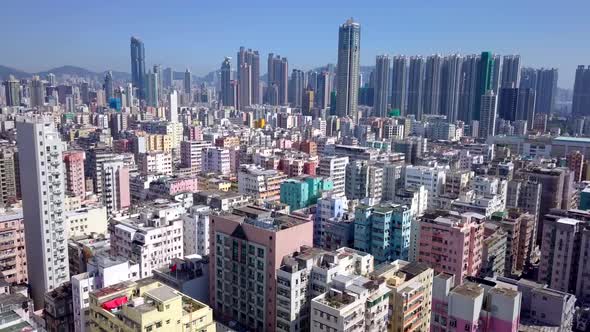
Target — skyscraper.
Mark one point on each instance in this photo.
(468, 90)
(253, 60)
(187, 82)
(158, 70)
(507, 109)
(12, 89)
(525, 110)
(226, 93)
(488, 112)
(151, 93)
(42, 185)
(496, 78)
(432, 76)
(37, 92)
(278, 76)
(349, 49)
(138, 65)
(109, 89)
(85, 93)
(511, 71)
(383, 62)
(581, 99)
(323, 90)
(167, 77)
(450, 87)
(416, 86)
(296, 87)
(528, 78)
(546, 90)
(173, 106)
(399, 83)
(245, 84)
(484, 81)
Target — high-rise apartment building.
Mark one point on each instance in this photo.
(363, 180)
(278, 78)
(484, 81)
(323, 90)
(581, 98)
(37, 92)
(138, 65)
(216, 160)
(488, 114)
(14, 247)
(10, 190)
(511, 71)
(260, 183)
(43, 187)
(546, 90)
(252, 59)
(296, 87)
(439, 232)
(151, 89)
(383, 231)
(382, 79)
(247, 248)
(245, 87)
(334, 168)
(74, 166)
(109, 88)
(410, 297)
(347, 76)
(191, 154)
(432, 84)
(416, 87)
(12, 91)
(399, 83)
(450, 86)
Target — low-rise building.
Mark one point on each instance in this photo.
(87, 220)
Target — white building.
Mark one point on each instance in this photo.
(354, 303)
(103, 271)
(334, 168)
(87, 220)
(215, 159)
(191, 154)
(260, 183)
(155, 163)
(151, 238)
(310, 274)
(196, 231)
(432, 178)
(42, 185)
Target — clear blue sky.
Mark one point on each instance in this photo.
(197, 34)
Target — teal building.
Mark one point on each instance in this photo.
(303, 192)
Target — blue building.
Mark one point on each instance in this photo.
(383, 231)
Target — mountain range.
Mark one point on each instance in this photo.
(5, 72)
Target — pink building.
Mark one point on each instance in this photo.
(74, 166)
(12, 246)
(246, 252)
(482, 305)
(174, 186)
(451, 242)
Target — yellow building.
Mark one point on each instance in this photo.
(219, 184)
(410, 298)
(147, 305)
(158, 143)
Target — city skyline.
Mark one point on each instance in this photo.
(270, 29)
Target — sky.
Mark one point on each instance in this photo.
(197, 34)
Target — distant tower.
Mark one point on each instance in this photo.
(432, 76)
(399, 82)
(323, 90)
(158, 70)
(167, 78)
(487, 122)
(173, 106)
(382, 78)
(251, 58)
(511, 71)
(138, 65)
(296, 87)
(43, 186)
(278, 76)
(109, 89)
(546, 90)
(349, 49)
(37, 92)
(12, 89)
(226, 88)
(152, 89)
(484, 81)
(450, 87)
(187, 82)
(245, 84)
(416, 86)
(581, 99)
(51, 79)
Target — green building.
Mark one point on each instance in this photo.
(303, 192)
(484, 80)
